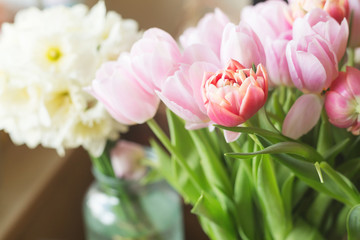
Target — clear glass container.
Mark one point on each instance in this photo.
(116, 209)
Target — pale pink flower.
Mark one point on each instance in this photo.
(355, 24)
(302, 116)
(240, 42)
(233, 95)
(312, 63)
(338, 9)
(121, 92)
(270, 21)
(342, 102)
(154, 57)
(208, 31)
(126, 159)
(319, 22)
(181, 92)
(276, 62)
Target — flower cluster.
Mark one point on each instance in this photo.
(282, 91)
(47, 57)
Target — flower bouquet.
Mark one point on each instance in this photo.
(263, 117)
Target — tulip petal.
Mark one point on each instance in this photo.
(338, 109)
(231, 136)
(253, 100)
(303, 116)
(312, 71)
(199, 53)
(196, 75)
(353, 75)
(223, 116)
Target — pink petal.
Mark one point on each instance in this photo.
(338, 109)
(253, 100)
(199, 53)
(312, 71)
(303, 116)
(222, 116)
(353, 80)
(231, 136)
(196, 76)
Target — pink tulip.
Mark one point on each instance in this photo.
(319, 22)
(276, 62)
(268, 19)
(302, 116)
(154, 57)
(181, 92)
(342, 101)
(338, 9)
(208, 31)
(121, 92)
(312, 63)
(355, 24)
(126, 160)
(233, 95)
(241, 44)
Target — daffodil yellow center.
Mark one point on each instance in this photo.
(53, 54)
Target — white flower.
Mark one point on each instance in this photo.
(47, 58)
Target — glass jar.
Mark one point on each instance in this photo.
(115, 209)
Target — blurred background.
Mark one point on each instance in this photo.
(40, 193)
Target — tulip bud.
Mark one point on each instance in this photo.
(126, 160)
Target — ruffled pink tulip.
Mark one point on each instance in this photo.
(312, 63)
(126, 160)
(207, 32)
(342, 101)
(233, 95)
(319, 22)
(154, 57)
(355, 24)
(122, 94)
(338, 9)
(241, 44)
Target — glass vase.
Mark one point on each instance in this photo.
(115, 209)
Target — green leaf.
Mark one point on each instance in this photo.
(211, 163)
(353, 223)
(302, 230)
(287, 193)
(301, 150)
(278, 221)
(257, 131)
(350, 167)
(345, 185)
(211, 209)
(243, 189)
(325, 138)
(331, 153)
(195, 179)
(317, 209)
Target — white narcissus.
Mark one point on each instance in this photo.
(47, 59)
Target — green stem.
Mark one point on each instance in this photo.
(182, 162)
